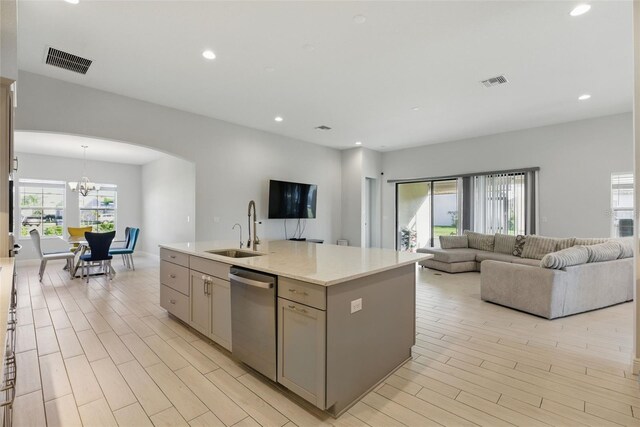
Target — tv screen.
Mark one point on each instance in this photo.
(292, 200)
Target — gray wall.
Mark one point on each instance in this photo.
(126, 177)
(576, 161)
(168, 203)
(233, 163)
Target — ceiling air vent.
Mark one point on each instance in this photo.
(323, 127)
(495, 81)
(68, 61)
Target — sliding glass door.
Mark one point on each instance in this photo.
(426, 210)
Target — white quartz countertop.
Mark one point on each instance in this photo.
(310, 262)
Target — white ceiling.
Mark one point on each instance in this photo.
(52, 144)
(363, 80)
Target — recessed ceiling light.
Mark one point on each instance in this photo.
(308, 47)
(278, 119)
(359, 19)
(208, 54)
(584, 97)
(415, 108)
(358, 142)
(580, 9)
(73, 1)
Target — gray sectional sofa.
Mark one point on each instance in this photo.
(551, 278)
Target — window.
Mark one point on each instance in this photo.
(99, 208)
(491, 202)
(621, 204)
(500, 203)
(425, 211)
(41, 207)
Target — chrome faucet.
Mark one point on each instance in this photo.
(253, 239)
(233, 228)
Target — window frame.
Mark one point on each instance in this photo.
(615, 186)
(96, 194)
(42, 184)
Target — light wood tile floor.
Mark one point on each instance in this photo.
(106, 354)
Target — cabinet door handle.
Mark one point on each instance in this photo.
(172, 301)
(172, 256)
(173, 276)
(301, 310)
(294, 291)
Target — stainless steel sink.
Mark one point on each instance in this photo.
(234, 253)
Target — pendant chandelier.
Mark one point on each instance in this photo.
(84, 186)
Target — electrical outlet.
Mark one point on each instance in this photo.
(216, 219)
(356, 305)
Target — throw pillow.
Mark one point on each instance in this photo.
(480, 241)
(604, 251)
(571, 256)
(454, 242)
(590, 241)
(538, 246)
(504, 244)
(520, 241)
(626, 247)
(565, 243)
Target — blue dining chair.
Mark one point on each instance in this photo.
(127, 252)
(99, 244)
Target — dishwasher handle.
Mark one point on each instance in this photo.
(250, 282)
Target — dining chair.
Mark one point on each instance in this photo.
(99, 244)
(77, 232)
(127, 252)
(49, 256)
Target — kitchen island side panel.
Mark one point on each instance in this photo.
(364, 347)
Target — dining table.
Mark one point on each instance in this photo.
(83, 247)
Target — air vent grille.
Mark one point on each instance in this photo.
(323, 127)
(68, 61)
(495, 81)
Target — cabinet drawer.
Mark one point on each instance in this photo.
(210, 267)
(302, 292)
(174, 302)
(174, 257)
(174, 276)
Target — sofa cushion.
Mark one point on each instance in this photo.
(607, 251)
(454, 242)
(504, 244)
(450, 255)
(484, 242)
(537, 247)
(520, 241)
(590, 240)
(450, 267)
(565, 243)
(626, 246)
(493, 256)
(526, 261)
(571, 256)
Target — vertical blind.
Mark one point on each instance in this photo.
(503, 203)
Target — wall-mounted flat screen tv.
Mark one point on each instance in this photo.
(292, 200)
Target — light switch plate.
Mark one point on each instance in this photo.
(356, 305)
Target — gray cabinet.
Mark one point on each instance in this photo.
(200, 302)
(221, 312)
(210, 303)
(174, 285)
(301, 350)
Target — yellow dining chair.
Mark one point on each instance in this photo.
(77, 232)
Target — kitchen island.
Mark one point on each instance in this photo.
(344, 317)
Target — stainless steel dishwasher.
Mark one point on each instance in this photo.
(253, 319)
